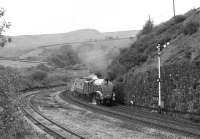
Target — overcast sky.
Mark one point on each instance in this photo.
(56, 16)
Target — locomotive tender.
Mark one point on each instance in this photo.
(99, 91)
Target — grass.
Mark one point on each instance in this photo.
(135, 69)
(12, 124)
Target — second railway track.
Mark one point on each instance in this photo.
(46, 124)
(185, 128)
(61, 132)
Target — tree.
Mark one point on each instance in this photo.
(3, 26)
(147, 28)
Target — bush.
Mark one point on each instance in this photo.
(43, 67)
(66, 56)
(191, 27)
(161, 28)
(179, 18)
(133, 57)
(38, 75)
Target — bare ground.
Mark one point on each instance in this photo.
(97, 126)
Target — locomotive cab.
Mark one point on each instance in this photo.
(105, 94)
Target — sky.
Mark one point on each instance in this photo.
(57, 16)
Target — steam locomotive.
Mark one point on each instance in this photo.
(98, 91)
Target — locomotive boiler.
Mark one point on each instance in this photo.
(98, 91)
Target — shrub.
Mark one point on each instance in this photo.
(173, 25)
(161, 28)
(66, 56)
(38, 75)
(179, 18)
(191, 27)
(43, 67)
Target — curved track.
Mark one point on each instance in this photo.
(22, 60)
(161, 121)
(46, 124)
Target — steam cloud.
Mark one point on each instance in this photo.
(97, 57)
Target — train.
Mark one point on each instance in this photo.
(98, 91)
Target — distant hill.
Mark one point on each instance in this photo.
(52, 47)
(121, 34)
(21, 45)
(31, 41)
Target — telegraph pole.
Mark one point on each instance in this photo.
(174, 8)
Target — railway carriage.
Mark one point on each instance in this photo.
(98, 91)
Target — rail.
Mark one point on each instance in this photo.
(31, 108)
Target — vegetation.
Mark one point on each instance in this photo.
(12, 125)
(38, 75)
(4, 25)
(191, 27)
(144, 47)
(43, 67)
(148, 27)
(134, 71)
(65, 57)
(180, 87)
(179, 18)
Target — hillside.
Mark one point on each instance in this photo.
(26, 43)
(135, 69)
(21, 45)
(44, 47)
(142, 56)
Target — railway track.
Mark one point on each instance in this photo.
(183, 127)
(46, 124)
(155, 116)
